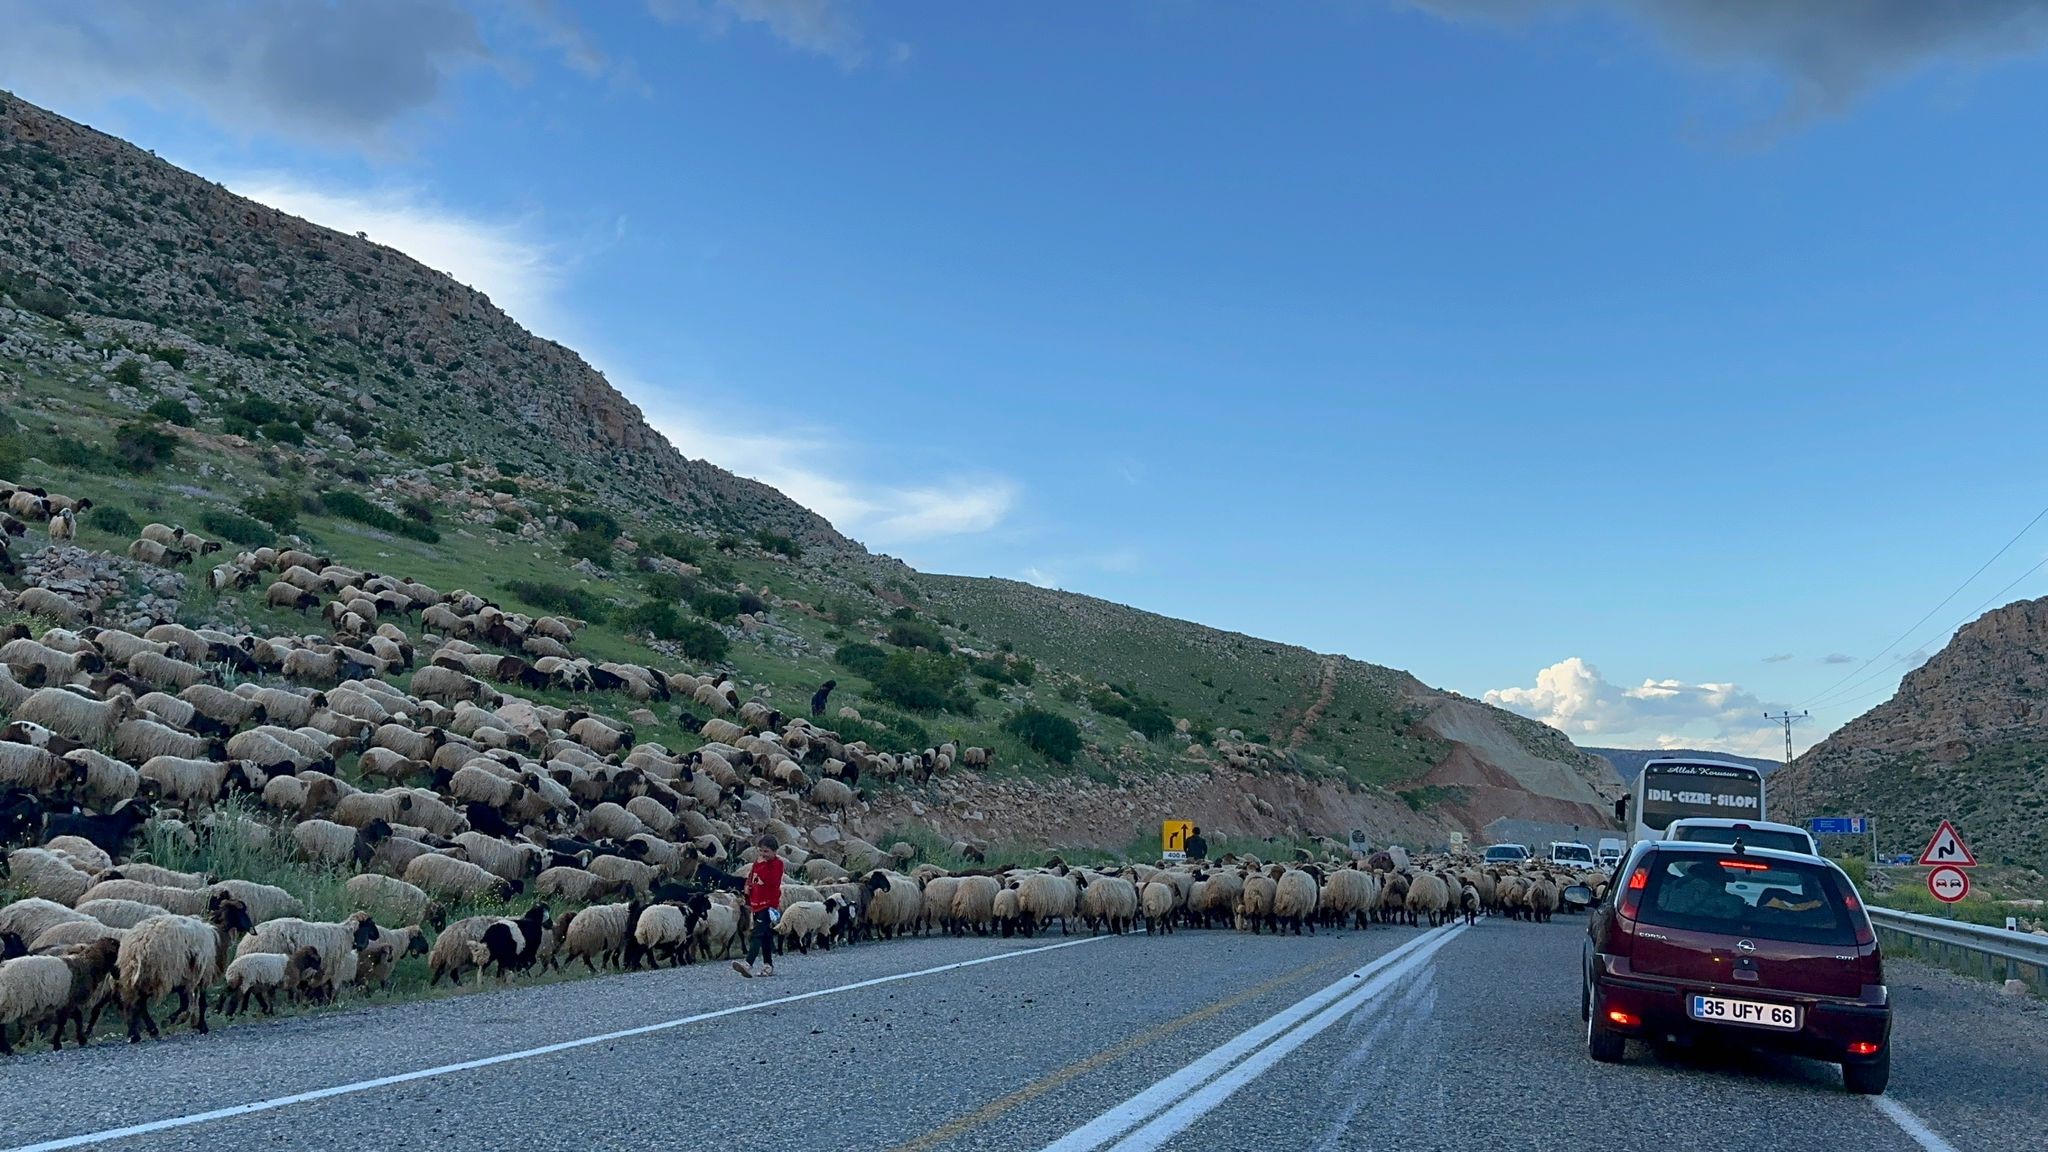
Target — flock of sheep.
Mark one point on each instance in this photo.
(457, 793)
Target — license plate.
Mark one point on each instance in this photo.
(1719, 1010)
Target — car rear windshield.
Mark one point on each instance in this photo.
(1750, 837)
(1583, 855)
(1736, 896)
(1506, 854)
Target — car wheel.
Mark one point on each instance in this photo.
(1585, 998)
(1604, 1044)
(1869, 1078)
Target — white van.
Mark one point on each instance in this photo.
(1610, 851)
(1570, 854)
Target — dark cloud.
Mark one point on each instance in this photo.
(1827, 52)
(1780, 658)
(347, 69)
(1837, 658)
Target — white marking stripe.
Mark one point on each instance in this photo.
(1911, 1124)
(165, 1125)
(1209, 1096)
(1169, 1091)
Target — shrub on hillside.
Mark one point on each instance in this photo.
(418, 509)
(172, 411)
(705, 642)
(278, 508)
(112, 518)
(918, 634)
(175, 357)
(585, 544)
(654, 618)
(1047, 733)
(235, 527)
(593, 520)
(283, 432)
(350, 506)
(509, 525)
(715, 605)
(561, 599)
(141, 446)
(676, 547)
(778, 543)
(863, 659)
(128, 372)
(923, 682)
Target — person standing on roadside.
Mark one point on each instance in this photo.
(1197, 848)
(764, 906)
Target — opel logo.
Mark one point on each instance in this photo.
(1745, 945)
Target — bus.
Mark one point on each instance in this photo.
(1670, 789)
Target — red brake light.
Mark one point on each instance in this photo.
(1632, 892)
(1630, 1020)
(1860, 919)
(1746, 865)
(1863, 1047)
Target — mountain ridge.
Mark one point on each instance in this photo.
(282, 372)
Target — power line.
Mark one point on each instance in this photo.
(1972, 615)
(1931, 611)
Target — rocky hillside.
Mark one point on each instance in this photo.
(96, 225)
(182, 355)
(1964, 738)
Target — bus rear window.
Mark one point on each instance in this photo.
(1750, 837)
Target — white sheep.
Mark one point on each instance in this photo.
(456, 880)
(47, 990)
(77, 716)
(40, 872)
(176, 955)
(259, 976)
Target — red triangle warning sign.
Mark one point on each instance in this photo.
(1948, 848)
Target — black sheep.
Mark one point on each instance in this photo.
(110, 832)
(487, 820)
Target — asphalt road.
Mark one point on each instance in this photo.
(1391, 1038)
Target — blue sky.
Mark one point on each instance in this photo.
(1644, 363)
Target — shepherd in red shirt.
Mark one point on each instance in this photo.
(764, 903)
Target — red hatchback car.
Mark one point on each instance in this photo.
(1771, 949)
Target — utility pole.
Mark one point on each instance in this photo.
(1787, 719)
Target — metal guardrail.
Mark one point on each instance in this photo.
(1993, 953)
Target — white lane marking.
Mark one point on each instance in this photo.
(1910, 1123)
(164, 1125)
(1136, 1110)
(1211, 1095)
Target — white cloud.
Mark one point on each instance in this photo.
(1780, 658)
(523, 274)
(1574, 698)
(1837, 658)
(804, 463)
(504, 259)
(1053, 573)
(824, 27)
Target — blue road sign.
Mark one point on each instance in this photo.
(1840, 825)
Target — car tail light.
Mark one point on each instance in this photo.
(1746, 865)
(1632, 892)
(1630, 1020)
(1864, 1047)
(1860, 919)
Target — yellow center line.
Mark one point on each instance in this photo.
(994, 1108)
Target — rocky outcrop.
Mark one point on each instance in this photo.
(90, 221)
(1964, 738)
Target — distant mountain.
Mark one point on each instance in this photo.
(1963, 739)
(1629, 761)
